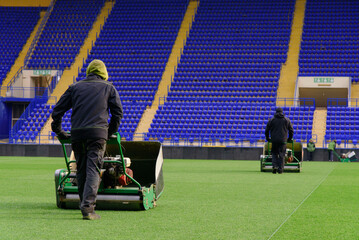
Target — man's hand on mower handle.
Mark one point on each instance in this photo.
(63, 135)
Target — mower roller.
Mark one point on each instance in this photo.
(293, 157)
(121, 187)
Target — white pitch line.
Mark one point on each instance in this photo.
(301, 203)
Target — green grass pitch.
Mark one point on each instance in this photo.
(202, 200)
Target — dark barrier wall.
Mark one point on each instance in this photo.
(4, 120)
(169, 152)
(218, 153)
(28, 150)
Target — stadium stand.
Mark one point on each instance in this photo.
(135, 44)
(342, 124)
(329, 48)
(221, 122)
(64, 34)
(56, 48)
(225, 85)
(31, 121)
(14, 35)
(330, 32)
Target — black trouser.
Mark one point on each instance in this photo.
(89, 159)
(330, 155)
(310, 156)
(278, 153)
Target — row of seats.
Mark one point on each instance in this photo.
(14, 33)
(328, 39)
(73, 18)
(32, 126)
(135, 46)
(235, 51)
(210, 71)
(342, 123)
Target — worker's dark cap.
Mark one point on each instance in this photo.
(279, 110)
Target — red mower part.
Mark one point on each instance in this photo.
(123, 179)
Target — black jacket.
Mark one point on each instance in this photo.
(279, 127)
(90, 100)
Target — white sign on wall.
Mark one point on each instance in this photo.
(323, 81)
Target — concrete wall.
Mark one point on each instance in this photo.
(169, 152)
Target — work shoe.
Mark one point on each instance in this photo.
(91, 216)
(274, 171)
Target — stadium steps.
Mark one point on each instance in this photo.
(319, 124)
(19, 62)
(290, 68)
(145, 123)
(69, 75)
(354, 90)
(168, 74)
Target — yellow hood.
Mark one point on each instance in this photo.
(97, 67)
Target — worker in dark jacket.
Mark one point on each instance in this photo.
(90, 100)
(281, 131)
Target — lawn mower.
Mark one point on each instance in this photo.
(293, 157)
(134, 182)
(346, 157)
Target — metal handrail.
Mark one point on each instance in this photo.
(302, 101)
(13, 79)
(342, 102)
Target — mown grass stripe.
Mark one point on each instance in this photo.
(300, 204)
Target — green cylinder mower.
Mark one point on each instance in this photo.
(134, 182)
(293, 157)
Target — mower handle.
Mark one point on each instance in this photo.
(115, 138)
(68, 140)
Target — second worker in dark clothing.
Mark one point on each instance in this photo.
(91, 99)
(281, 131)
